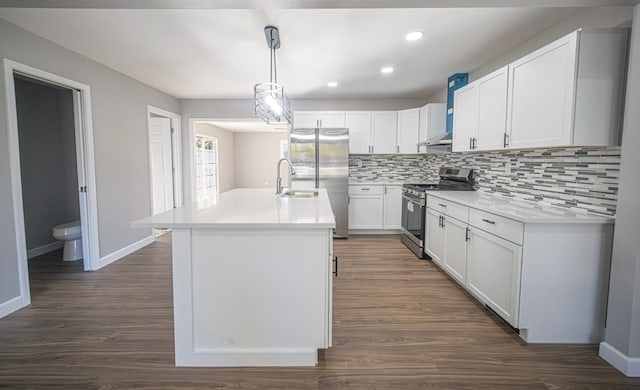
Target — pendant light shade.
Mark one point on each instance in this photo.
(271, 102)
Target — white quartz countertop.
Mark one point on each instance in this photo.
(247, 208)
(523, 211)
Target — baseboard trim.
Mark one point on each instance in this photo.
(630, 366)
(46, 248)
(11, 305)
(374, 231)
(127, 250)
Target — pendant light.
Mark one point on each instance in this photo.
(271, 102)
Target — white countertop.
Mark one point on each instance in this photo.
(247, 208)
(375, 183)
(526, 212)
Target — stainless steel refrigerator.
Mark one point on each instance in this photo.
(321, 159)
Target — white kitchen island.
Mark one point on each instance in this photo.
(252, 279)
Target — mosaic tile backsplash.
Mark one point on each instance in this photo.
(581, 179)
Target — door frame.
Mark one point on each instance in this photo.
(85, 162)
(176, 154)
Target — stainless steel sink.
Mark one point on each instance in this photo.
(291, 193)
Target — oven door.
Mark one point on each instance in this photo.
(413, 218)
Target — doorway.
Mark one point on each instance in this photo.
(77, 198)
(164, 161)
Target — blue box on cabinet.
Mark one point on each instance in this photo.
(456, 81)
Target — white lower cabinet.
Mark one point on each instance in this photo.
(375, 207)
(392, 207)
(455, 249)
(493, 273)
(434, 245)
(365, 211)
(547, 279)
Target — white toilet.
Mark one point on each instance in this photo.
(71, 234)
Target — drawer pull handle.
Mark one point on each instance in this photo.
(489, 221)
(442, 205)
(365, 189)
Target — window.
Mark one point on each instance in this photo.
(206, 168)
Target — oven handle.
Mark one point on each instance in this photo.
(413, 199)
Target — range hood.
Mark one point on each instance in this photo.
(441, 139)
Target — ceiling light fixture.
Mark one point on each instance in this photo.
(386, 70)
(332, 84)
(414, 36)
(271, 102)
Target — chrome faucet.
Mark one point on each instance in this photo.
(279, 179)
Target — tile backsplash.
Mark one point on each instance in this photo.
(583, 179)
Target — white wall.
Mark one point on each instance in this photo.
(119, 106)
(597, 17)
(623, 313)
(226, 154)
(257, 156)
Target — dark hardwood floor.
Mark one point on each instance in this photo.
(399, 323)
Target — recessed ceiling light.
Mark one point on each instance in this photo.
(414, 36)
(332, 84)
(386, 70)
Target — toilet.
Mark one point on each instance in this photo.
(71, 234)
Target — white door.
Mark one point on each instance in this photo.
(493, 273)
(408, 128)
(455, 249)
(541, 96)
(392, 207)
(434, 239)
(465, 118)
(492, 110)
(332, 119)
(366, 211)
(385, 127)
(161, 164)
(359, 125)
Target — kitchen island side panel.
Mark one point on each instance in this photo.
(251, 297)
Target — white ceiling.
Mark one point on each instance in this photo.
(222, 53)
(244, 125)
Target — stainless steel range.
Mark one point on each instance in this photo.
(414, 204)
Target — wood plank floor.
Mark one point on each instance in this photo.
(399, 323)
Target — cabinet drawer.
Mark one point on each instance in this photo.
(451, 209)
(366, 190)
(500, 226)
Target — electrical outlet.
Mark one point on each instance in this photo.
(507, 168)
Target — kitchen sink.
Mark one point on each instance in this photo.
(291, 193)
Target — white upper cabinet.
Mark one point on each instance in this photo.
(433, 119)
(465, 118)
(569, 92)
(542, 95)
(408, 129)
(384, 130)
(311, 119)
(492, 111)
(479, 120)
(359, 125)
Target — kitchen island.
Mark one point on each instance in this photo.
(252, 280)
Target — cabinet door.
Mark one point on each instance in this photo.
(359, 125)
(313, 119)
(385, 127)
(392, 207)
(492, 110)
(433, 121)
(434, 237)
(493, 273)
(541, 96)
(465, 118)
(305, 119)
(408, 124)
(332, 119)
(366, 211)
(455, 249)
